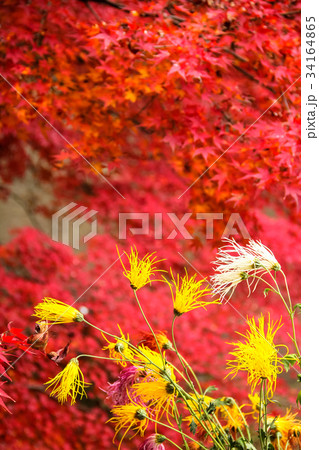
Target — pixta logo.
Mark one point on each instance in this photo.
(66, 225)
(152, 225)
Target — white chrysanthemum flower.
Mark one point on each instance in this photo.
(234, 257)
(225, 283)
(236, 263)
(264, 258)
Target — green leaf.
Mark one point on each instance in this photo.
(238, 444)
(193, 427)
(211, 407)
(250, 446)
(210, 389)
(266, 291)
(243, 444)
(229, 401)
(298, 305)
(261, 434)
(272, 425)
(298, 400)
(289, 360)
(218, 402)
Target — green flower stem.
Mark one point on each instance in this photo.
(187, 396)
(176, 413)
(193, 373)
(191, 386)
(123, 340)
(178, 388)
(189, 382)
(180, 358)
(219, 426)
(110, 334)
(214, 423)
(278, 441)
(294, 337)
(84, 355)
(173, 443)
(114, 359)
(182, 375)
(262, 426)
(290, 311)
(292, 315)
(178, 431)
(288, 308)
(149, 325)
(244, 420)
(133, 347)
(261, 439)
(265, 413)
(240, 432)
(183, 393)
(287, 288)
(271, 287)
(126, 342)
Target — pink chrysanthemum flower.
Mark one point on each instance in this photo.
(153, 442)
(118, 391)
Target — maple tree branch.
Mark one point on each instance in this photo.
(251, 77)
(244, 72)
(231, 52)
(175, 19)
(285, 102)
(292, 12)
(116, 6)
(95, 14)
(147, 104)
(109, 3)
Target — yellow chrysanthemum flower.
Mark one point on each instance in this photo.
(120, 349)
(55, 311)
(198, 405)
(203, 399)
(258, 355)
(254, 406)
(159, 394)
(231, 414)
(130, 416)
(152, 361)
(195, 445)
(286, 429)
(187, 293)
(68, 383)
(140, 271)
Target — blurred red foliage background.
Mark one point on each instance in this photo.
(146, 96)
